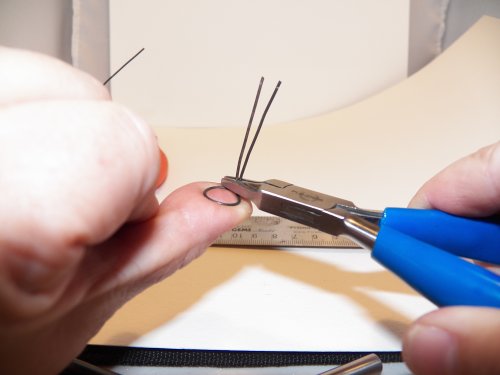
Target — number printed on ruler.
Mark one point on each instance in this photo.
(277, 232)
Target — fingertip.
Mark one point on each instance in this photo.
(217, 197)
(227, 198)
(245, 209)
(430, 350)
(154, 163)
(454, 340)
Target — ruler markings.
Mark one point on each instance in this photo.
(272, 231)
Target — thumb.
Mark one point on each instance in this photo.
(470, 186)
(454, 340)
(145, 252)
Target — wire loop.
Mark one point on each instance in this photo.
(209, 189)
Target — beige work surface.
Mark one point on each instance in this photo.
(375, 153)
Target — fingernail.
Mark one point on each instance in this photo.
(419, 201)
(430, 350)
(162, 175)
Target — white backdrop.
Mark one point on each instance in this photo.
(203, 59)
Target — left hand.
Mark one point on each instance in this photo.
(81, 231)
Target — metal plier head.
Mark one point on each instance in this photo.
(326, 213)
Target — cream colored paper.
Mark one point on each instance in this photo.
(376, 153)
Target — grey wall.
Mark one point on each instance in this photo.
(43, 26)
(48, 26)
(462, 14)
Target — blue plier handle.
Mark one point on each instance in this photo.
(423, 247)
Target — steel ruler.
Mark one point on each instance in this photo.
(272, 231)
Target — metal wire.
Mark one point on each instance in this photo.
(208, 189)
(258, 129)
(248, 127)
(123, 66)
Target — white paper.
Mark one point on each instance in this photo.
(259, 309)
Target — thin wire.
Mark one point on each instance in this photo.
(123, 66)
(258, 129)
(248, 127)
(207, 195)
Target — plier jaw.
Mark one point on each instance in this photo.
(247, 189)
(326, 213)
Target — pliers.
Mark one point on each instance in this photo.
(423, 247)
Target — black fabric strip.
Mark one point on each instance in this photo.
(104, 355)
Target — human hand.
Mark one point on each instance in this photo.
(81, 231)
(459, 340)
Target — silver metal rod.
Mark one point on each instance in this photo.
(361, 231)
(367, 365)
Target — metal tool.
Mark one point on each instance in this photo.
(423, 247)
(79, 367)
(273, 231)
(368, 365)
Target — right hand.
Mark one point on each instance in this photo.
(459, 340)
